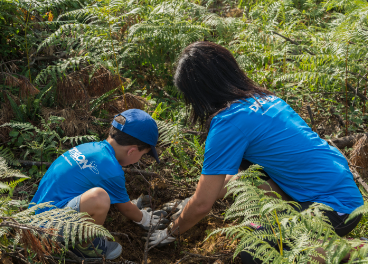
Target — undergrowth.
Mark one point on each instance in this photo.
(66, 67)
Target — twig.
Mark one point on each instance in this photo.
(17, 256)
(121, 234)
(357, 74)
(73, 256)
(210, 257)
(291, 41)
(220, 218)
(97, 254)
(8, 62)
(361, 96)
(145, 254)
(182, 259)
(346, 90)
(311, 117)
(90, 261)
(192, 132)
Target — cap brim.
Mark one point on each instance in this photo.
(153, 153)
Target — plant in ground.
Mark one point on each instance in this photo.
(300, 232)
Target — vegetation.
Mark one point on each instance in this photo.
(296, 235)
(66, 67)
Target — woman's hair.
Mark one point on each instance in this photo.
(211, 80)
(123, 138)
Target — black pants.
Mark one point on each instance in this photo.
(338, 222)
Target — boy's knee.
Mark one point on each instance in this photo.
(100, 197)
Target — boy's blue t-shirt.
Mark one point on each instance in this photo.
(270, 133)
(80, 169)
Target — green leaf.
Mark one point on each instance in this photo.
(14, 133)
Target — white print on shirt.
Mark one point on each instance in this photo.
(257, 104)
(271, 107)
(81, 160)
(67, 160)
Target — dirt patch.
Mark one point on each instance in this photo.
(191, 244)
(192, 247)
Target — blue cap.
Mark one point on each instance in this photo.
(140, 125)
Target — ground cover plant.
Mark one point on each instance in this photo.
(66, 67)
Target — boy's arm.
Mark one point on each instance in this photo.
(130, 210)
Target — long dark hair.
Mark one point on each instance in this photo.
(211, 80)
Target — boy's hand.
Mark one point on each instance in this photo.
(160, 238)
(153, 219)
(176, 207)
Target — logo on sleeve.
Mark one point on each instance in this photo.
(81, 160)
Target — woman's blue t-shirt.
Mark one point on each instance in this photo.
(80, 169)
(270, 133)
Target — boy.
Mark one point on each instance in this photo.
(89, 177)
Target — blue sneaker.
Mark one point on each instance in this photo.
(111, 250)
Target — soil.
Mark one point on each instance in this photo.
(192, 247)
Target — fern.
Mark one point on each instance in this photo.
(168, 132)
(46, 142)
(6, 172)
(8, 156)
(302, 232)
(73, 226)
(100, 100)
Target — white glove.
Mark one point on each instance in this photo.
(142, 201)
(178, 209)
(160, 238)
(152, 219)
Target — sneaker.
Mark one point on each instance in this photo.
(111, 250)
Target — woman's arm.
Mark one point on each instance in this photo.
(207, 192)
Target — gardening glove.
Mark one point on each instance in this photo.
(152, 219)
(142, 201)
(170, 206)
(159, 238)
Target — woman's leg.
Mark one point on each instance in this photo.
(338, 222)
(269, 186)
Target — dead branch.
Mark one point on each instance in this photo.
(352, 169)
(208, 257)
(182, 259)
(17, 255)
(192, 132)
(16, 225)
(292, 42)
(311, 117)
(361, 96)
(357, 74)
(347, 141)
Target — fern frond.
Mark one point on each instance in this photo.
(301, 232)
(77, 139)
(168, 132)
(6, 172)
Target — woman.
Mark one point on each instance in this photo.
(249, 124)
